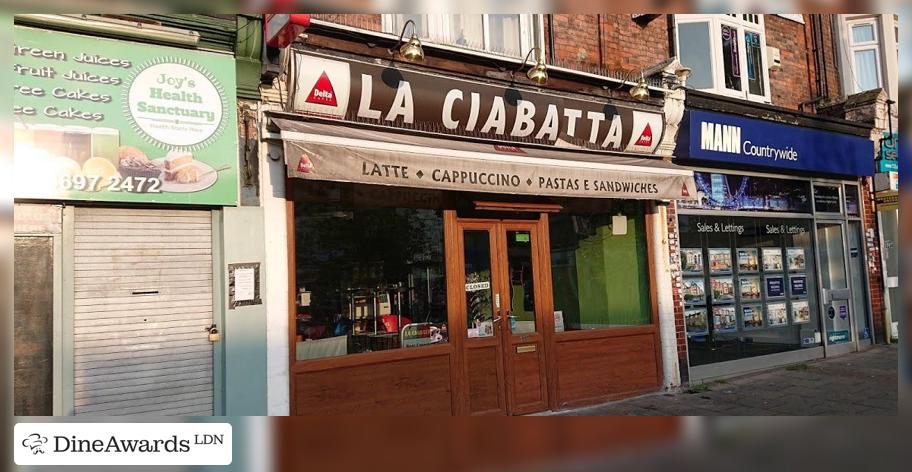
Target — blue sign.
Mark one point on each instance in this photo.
(746, 141)
(799, 285)
(775, 287)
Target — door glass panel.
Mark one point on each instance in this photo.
(856, 268)
(478, 290)
(522, 285)
(833, 279)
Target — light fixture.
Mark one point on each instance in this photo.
(640, 91)
(411, 50)
(538, 74)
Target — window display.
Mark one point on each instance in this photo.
(720, 261)
(796, 259)
(752, 317)
(692, 261)
(747, 260)
(777, 314)
(369, 278)
(695, 321)
(599, 273)
(772, 259)
(694, 291)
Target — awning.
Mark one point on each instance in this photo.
(325, 151)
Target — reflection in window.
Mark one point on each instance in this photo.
(754, 62)
(599, 269)
(695, 53)
(368, 279)
(466, 30)
(731, 58)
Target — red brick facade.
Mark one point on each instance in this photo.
(795, 82)
(875, 269)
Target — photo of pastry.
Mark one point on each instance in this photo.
(801, 312)
(749, 287)
(724, 318)
(748, 261)
(796, 260)
(695, 321)
(777, 314)
(772, 259)
(723, 289)
(752, 316)
(692, 261)
(694, 291)
(720, 261)
(181, 173)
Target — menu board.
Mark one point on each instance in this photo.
(106, 120)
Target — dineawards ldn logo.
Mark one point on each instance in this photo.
(122, 444)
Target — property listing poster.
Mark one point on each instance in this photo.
(106, 120)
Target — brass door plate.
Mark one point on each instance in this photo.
(526, 348)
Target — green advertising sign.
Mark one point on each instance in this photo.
(105, 120)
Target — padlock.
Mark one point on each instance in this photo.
(214, 335)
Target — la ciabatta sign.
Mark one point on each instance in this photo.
(382, 93)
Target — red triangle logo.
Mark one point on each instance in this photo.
(305, 166)
(684, 191)
(322, 92)
(645, 138)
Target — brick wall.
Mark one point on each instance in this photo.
(795, 82)
(625, 44)
(674, 251)
(875, 277)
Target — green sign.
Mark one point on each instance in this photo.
(105, 120)
(838, 337)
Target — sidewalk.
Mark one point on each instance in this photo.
(863, 383)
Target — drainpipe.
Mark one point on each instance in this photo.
(671, 373)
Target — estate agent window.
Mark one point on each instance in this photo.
(504, 34)
(727, 54)
(369, 270)
(599, 266)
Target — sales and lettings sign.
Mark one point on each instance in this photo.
(383, 93)
(751, 142)
(105, 120)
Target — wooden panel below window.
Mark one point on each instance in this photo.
(528, 389)
(414, 386)
(594, 369)
(485, 390)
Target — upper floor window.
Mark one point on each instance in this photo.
(727, 54)
(502, 34)
(864, 54)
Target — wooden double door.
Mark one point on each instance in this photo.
(503, 274)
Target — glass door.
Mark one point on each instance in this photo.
(836, 296)
(859, 282)
(504, 362)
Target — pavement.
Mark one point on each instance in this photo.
(862, 383)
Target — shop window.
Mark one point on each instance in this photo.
(503, 34)
(369, 277)
(864, 54)
(719, 191)
(727, 54)
(748, 287)
(852, 205)
(599, 268)
(826, 199)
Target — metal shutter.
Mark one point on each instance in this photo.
(143, 298)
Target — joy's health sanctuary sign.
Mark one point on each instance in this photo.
(106, 120)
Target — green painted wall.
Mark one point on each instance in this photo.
(244, 328)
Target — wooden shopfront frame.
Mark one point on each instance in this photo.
(576, 367)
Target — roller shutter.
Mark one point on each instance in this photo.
(143, 298)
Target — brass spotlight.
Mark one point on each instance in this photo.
(640, 91)
(412, 49)
(538, 74)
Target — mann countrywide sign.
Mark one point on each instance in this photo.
(758, 143)
(105, 120)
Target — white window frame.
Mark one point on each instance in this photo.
(438, 33)
(750, 22)
(864, 46)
